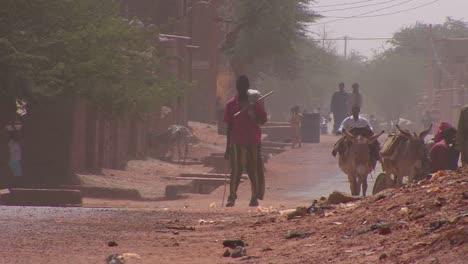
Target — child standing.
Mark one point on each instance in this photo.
(15, 154)
(296, 123)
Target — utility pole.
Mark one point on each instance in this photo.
(345, 47)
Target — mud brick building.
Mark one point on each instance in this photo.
(448, 71)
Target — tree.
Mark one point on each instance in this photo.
(81, 48)
(267, 32)
(397, 75)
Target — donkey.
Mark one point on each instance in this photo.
(356, 161)
(176, 137)
(409, 157)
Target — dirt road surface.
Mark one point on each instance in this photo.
(191, 231)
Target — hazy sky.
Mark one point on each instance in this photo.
(383, 26)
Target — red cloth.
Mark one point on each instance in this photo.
(244, 130)
(438, 133)
(440, 156)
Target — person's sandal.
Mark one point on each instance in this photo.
(230, 204)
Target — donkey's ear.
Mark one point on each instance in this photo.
(404, 132)
(424, 133)
(376, 136)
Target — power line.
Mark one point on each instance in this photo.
(344, 4)
(356, 7)
(366, 13)
(351, 38)
(388, 14)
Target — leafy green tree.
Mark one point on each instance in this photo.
(81, 48)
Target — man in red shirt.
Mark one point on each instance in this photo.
(244, 141)
(444, 156)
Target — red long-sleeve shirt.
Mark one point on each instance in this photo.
(443, 157)
(244, 130)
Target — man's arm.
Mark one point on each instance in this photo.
(344, 125)
(367, 123)
(260, 113)
(228, 119)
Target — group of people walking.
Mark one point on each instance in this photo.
(343, 103)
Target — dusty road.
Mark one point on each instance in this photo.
(170, 231)
(295, 177)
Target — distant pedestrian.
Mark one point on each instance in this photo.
(15, 154)
(296, 124)
(244, 141)
(355, 98)
(339, 106)
(444, 155)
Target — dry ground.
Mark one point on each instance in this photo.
(422, 223)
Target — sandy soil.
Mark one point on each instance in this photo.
(421, 223)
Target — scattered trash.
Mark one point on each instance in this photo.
(337, 223)
(238, 252)
(115, 259)
(366, 230)
(458, 217)
(297, 234)
(131, 256)
(385, 230)
(383, 256)
(213, 205)
(112, 244)
(267, 249)
(434, 190)
(348, 251)
(227, 253)
(187, 228)
(286, 212)
(261, 209)
(327, 214)
(232, 244)
(313, 209)
(438, 175)
(438, 224)
(299, 212)
(340, 197)
(203, 222)
(404, 210)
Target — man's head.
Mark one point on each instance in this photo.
(355, 87)
(449, 135)
(242, 85)
(355, 111)
(341, 86)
